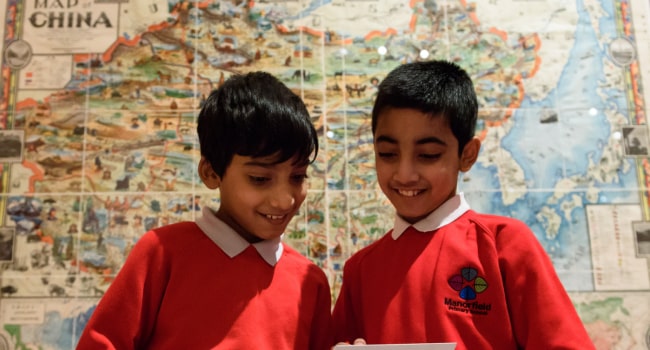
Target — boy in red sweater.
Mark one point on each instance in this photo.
(446, 273)
(227, 281)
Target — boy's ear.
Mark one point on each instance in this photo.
(470, 154)
(208, 175)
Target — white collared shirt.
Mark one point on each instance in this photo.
(232, 243)
(445, 214)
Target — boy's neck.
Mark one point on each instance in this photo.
(249, 237)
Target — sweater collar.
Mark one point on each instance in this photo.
(446, 213)
(232, 243)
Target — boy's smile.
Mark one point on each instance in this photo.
(258, 196)
(417, 160)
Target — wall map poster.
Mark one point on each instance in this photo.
(98, 107)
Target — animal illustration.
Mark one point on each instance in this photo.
(8, 290)
(122, 184)
(355, 88)
(301, 73)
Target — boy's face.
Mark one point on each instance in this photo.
(258, 198)
(417, 160)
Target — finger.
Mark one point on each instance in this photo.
(359, 341)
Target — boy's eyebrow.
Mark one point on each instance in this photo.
(383, 138)
(265, 163)
(268, 163)
(432, 139)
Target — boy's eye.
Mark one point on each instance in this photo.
(386, 154)
(258, 179)
(300, 178)
(430, 155)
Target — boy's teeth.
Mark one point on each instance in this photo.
(408, 193)
(274, 217)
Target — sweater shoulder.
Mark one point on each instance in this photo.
(300, 262)
(180, 231)
(369, 250)
(492, 219)
(174, 236)
(508, 234)
(495, 223)
(183, 227)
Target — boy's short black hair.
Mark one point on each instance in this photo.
(255, 115)
(432, 87)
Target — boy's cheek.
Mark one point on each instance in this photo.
(301, 198)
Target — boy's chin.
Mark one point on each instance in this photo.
(263, 236)
(411, 217)
(255, 237)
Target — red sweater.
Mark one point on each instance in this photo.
(482, 281)
(179, 290)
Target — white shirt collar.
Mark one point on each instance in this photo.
(446, 213)
(232, 243)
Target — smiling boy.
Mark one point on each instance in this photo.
(446, 273)
(227, 281)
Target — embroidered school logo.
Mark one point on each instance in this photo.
(468, 284)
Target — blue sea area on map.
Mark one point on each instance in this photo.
(607, 23)
(54, 333)
(550, 152)
(313, 5)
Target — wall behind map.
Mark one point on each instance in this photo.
(98, 144)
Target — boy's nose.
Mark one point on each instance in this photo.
(406, 172)
(282, 198)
